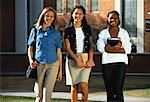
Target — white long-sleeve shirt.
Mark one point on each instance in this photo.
(114, 57)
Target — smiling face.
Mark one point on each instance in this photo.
(77, 15)
(113, 20)
(49, 17)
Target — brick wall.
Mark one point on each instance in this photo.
(106, 6)
(146, 34)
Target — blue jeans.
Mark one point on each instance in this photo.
(114, 75)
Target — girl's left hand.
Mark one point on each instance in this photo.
(59, 77)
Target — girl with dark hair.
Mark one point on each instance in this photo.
(79, 46)
(48, 56)
(114, 44)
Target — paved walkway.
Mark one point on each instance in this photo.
(66, 95)
(20, 86)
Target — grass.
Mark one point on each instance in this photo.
(15, 99)
(24, 99)
(138, 92)
(28, 99)
(138, 86)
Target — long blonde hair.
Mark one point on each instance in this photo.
(41, 17)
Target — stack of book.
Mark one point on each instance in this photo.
(113, 41)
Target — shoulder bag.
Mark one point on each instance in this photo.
(32, 73)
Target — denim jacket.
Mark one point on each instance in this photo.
(71, 35)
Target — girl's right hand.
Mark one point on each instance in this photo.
(33, 64)
(119, 45)
(80, 64)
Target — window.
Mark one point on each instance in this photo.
(147, 25)
(133, 22)
(59, 6)
(83, 3)
(130, 17)
(94, 5)
(68, 5)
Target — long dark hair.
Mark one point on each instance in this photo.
(41, 17)
(83, 21)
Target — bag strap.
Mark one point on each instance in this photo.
(34, 44)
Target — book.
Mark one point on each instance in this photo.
(113, 41)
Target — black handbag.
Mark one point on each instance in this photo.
(32, 73)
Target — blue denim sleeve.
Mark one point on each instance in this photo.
(31, 37)
(59, 42)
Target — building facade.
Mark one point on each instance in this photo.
(18, 16)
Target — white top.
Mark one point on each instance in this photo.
(114, 57)
(79, 39)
